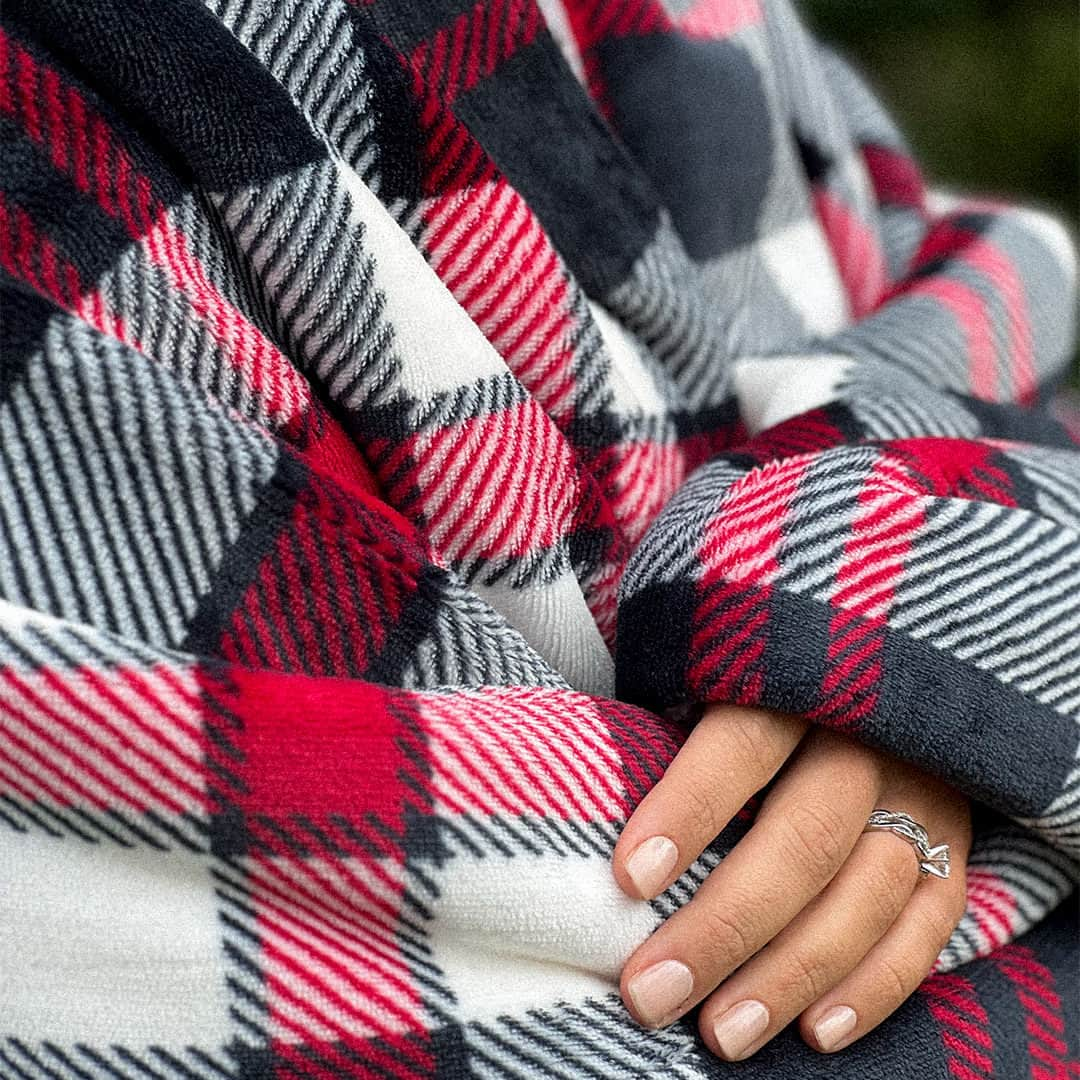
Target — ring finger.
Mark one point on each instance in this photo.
(825, 942)
(807, 827)
(893, 969)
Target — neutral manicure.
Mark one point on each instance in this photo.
(834, 1027)
(659, 991)
(650, 865)
(740, 1027)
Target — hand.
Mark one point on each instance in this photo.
(807, 916)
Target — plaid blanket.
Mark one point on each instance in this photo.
(410, 412)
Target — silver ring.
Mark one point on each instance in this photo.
(932, 860)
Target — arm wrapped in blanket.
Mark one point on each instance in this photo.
(902, 562)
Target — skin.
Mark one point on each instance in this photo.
(807, 912)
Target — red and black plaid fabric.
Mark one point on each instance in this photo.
(406, 409)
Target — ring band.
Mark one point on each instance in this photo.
(932, 860)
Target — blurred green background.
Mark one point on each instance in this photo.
(987, 91)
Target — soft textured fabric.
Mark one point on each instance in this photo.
(410, 412)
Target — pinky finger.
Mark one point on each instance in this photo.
(890, 972)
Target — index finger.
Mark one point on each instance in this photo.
(731, 753)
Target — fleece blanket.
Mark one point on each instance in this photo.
(411, 411)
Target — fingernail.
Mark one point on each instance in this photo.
(740, 1027)
(834, 1027)
(650, 865)
(659, 990)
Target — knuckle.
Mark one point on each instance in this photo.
(817, 838)
(896, 980)
(887, 886)
(752, 741)
(806, 977)
(729, 940)
(700, 810)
